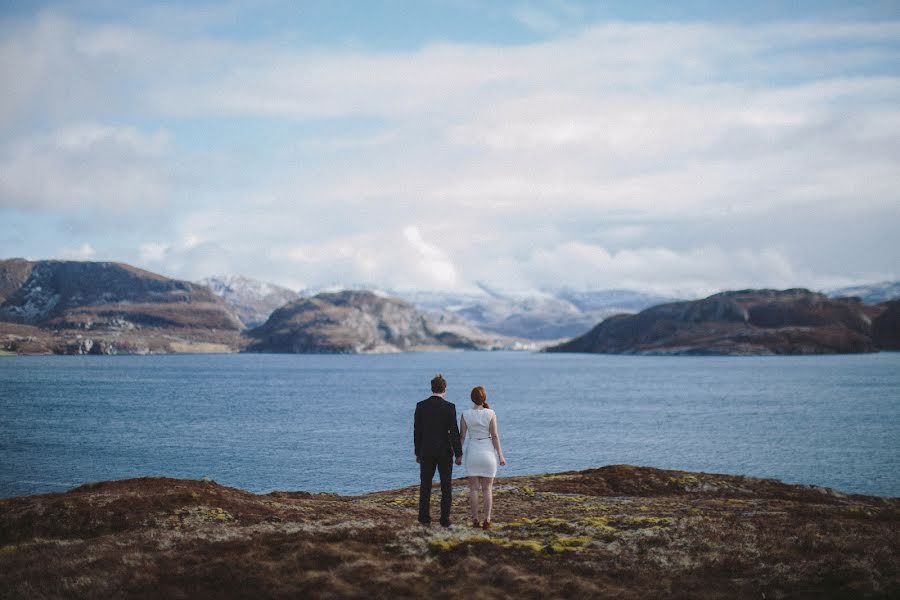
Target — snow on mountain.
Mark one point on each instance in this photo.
(540, 315)
(251, 300)
(872, 293)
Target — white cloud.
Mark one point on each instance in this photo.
(118, 169)
(530, 164)
(83, 252)
(696, 272)
(152, 252)
(398, 259)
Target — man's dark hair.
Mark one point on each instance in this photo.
(439, 384)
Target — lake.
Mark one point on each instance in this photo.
(344, 423)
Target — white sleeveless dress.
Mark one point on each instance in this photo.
(479, 457)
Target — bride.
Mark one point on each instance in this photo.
(482, 454)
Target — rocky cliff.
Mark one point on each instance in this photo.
(351, 322)
(105, 308)
(613, 532)
(751, 322)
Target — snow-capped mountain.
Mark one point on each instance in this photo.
(541, 315)
(252, 301)
(872, 293)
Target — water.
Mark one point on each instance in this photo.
(344, 423)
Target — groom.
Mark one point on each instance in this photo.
(436, 437)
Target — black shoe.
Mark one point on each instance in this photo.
(425, 523)
(445, 524)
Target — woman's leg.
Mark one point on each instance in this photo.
(487, 496)
(473, 496)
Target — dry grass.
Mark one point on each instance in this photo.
(619, 531)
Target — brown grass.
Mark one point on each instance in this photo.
(618, 531)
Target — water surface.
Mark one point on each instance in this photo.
(344, 423)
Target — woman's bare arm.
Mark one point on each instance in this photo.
(462, 429)
(495, 439)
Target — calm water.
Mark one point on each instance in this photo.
(344, 423)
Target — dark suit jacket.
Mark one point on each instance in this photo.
(435, 431)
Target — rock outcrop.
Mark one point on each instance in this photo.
(614, 532)
(75, 307)
(351, 322)
(748, 322)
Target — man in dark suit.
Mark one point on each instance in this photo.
(436, 438)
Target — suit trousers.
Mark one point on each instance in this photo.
(444, 465)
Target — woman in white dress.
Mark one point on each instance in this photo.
(482, 454)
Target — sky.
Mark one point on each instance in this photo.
(671, 147)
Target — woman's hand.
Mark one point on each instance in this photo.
(502, 461)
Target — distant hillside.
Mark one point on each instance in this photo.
(352, 322)
(873, 293)
(743, 322)
(252, 301)
(105, 308)
(547, 315)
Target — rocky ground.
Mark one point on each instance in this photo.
(618, 531)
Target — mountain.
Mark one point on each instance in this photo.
(250, 300)
(744, 322)
(352, 321)
(873, 293)
(886, 327)
(537, 316)
(106, 308)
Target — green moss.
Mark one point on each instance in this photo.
(530, 545)
(404, 501)
(446, 544)
(569, 544)
(642, 522)
(196, 515)
(527, 490)
(576, 498)
(441, 545)
(537, 524)
(598, 523)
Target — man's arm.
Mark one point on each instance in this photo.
(417, 433)
(454, 433)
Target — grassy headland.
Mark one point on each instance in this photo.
(618, 531)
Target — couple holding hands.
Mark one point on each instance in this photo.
(438, 438)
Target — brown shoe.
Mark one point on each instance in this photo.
(487, 525)
(476, 524)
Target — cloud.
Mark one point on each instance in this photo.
(83, 252)
(394, 259)
(117, 169)
(610, 154)
(695, 272)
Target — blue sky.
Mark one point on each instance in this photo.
(672, 147)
